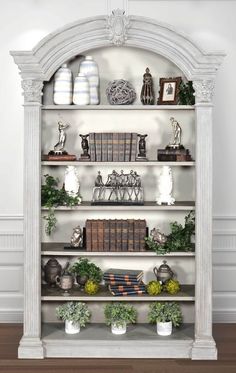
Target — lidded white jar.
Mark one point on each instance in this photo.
(62, 92)
(81, 94)
(89, 68)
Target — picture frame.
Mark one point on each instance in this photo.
(169, 89)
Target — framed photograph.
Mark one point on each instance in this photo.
(169, 89)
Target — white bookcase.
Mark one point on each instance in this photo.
(123, 47)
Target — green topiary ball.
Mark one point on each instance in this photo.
(154, 288)
(172, 286)
(91, 287)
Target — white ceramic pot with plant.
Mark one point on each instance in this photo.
(118, 316)
(165, 315)
(75, 315)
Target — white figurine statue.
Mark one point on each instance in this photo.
(71, 181)
(165, 186)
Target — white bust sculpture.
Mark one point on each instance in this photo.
(165, 186)
(71, 181)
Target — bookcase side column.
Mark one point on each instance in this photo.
(204, 345)
(31, 344)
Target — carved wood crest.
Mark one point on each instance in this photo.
(118, 24)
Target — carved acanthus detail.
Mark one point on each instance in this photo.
(204, 90)
(32, 90)
(118, 24)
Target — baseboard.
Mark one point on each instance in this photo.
(224, 316)
(11, 316)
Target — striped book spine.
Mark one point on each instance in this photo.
(134, 140)
(127, 147)
(104, 147)
(98, 146)
(92, 147)
(109, 147)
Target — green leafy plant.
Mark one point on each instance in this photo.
(51, 197)
(75, 312)
(86, 268)
(178, 240)
(165, 312)
(186, 93)
(120, 314)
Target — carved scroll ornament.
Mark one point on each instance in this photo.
(32, 90)
(118, 24)
(204, 90)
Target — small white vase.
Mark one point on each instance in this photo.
(81, 94)
(62, 92)
(164, 328)
(118, 329)
(72, 327)
(71, 181)
(89, 68)
(165, 186)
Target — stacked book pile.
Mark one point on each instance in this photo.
(115, 235)
(113, 147)
(123, 282)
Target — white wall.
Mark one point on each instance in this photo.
(23, 24)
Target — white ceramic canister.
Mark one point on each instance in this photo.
(164, 328)
(62, 92)
(81, 94)
(72, 327)
(89, 68)
(118, 329)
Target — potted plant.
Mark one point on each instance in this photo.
(119, 315)
(85, 270)
(75, 315)
(165, 314)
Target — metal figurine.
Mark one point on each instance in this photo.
(85, 146)
(142, 148)
(158, 237)
(119, 189)
(59, 147)
(177, 133)
(147, 92)
(77, 237)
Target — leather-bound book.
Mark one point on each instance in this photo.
(115, 147)
(104, 147)
(112, 235)
(134, 140)
(109, 147)
(124, 235)
(127, 147)
(106, 235)
(121, 147)
(142, 234)
(118, 235)
(98, 146)
(92, 147)
(100, 235)
(94, 235)
(136, 234)
(130, 234)
(88, 235)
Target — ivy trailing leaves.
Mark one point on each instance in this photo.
(186, 93)
(180, 238)
(51, 197)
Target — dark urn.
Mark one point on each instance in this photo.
(81, 280)
(52, 269)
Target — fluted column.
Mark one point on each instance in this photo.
(30, 344)
(204, 345)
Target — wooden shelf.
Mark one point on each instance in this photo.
(56, 294)
(123, 164)
(118, 107)
(57, 249)
(96, 340)
(148, 206)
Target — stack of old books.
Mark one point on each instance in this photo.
(124, 281)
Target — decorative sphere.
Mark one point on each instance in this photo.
(154, 288)
(172, 286)
(120, 92)
(91, 287)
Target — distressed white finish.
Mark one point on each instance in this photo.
(39, 65)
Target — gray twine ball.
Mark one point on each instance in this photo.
(120, 92)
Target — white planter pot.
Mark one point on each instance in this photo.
(72, 327)
(164, 328)
(118, 330)
(81, 94)
(62, 92)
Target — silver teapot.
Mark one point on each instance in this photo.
(163, 273)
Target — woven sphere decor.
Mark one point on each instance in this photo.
(120, 92)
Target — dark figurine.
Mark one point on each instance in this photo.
(85, 146)
(142, 148)
(147, 92)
